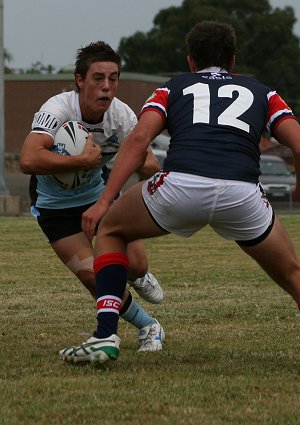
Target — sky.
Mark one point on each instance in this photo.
(50, 31)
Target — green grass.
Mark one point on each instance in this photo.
(232, 350)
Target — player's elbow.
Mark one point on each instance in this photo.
(25, 166)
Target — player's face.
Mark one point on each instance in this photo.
(97, 89)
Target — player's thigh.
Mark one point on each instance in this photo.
(129, 218)
(275, 254)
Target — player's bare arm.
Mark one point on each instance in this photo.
(130, 158)
(36, 158)
(288, 133)
(150, 167)
(131, 155)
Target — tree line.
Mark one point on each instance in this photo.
(267, 47)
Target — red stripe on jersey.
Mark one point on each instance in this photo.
(159, 111)
(112, 258)
(158, 102)
(277, 107)
(282, 119)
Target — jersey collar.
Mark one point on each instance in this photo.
(213, 69)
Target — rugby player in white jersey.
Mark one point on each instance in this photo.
(211, 176)
(59, 210)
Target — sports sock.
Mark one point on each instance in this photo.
(111, 278)
(133, 313)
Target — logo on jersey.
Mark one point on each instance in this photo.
(150, 97)
(217, 76)
(94, 130)
(111, 145)
(47, 121)
(60, 148)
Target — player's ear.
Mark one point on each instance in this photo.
(232, 64)
(79, 81)
(192, 64)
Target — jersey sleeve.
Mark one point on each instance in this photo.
(278, 110)
(130, 122)
(52, 114)
(158, 101)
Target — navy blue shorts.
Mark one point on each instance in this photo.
(60, 223)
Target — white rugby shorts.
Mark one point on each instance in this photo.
(184, 203)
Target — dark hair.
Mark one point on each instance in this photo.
(212, 43)
(98, 51)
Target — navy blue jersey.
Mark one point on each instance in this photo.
(215, 120)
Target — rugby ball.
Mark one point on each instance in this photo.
(70, 139)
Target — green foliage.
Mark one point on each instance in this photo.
(267, 47)
(7, 58)
(232, 339)
(39, 68)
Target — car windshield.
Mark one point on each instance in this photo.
(161, 142)
(274, 168)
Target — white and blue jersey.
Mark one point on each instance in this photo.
(117, 123)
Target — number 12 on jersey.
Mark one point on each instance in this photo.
(201, 112)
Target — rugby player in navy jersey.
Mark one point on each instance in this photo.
(59, 210)
(211, 176)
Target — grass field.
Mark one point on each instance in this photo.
(232, 354)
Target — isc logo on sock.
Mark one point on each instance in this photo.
(111, 303)
(108, 304)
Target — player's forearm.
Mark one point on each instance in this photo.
(126, 163)
(46, 162)
(150, 167)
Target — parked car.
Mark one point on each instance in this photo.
(159, 147)
(161, 142)
(276, 178)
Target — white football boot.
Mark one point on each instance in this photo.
(151, 337)
(148, 288)
(94, 350)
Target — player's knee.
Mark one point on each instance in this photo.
(138, 266)
(76, 264)
(83, 269)
(292, 271)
